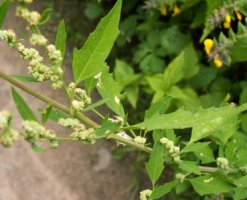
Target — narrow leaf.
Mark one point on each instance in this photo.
(24, 78)
(61, 38)
(4, 6)
(24, 110)
(107, 127)
(155, 164)
(55, 114)
(45, 114)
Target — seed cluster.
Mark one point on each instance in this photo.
(172, 150)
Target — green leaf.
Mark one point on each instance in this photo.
(4, 6)
(158, 108)
(204, 121)
(240, 193)
(45, 114)
(155, 164)
(89, 60)
(210, 185)
(162, 190)
(55, 114)
(239, 48)
(45, 16)
(132, 95)
(93, 10)
(189, 166)
(109, 89)
(107, 127)
(37, 149)
(205, 154)
(95, 105)
(24, 78)
(241, 182)
(23, 108)
(194, 147)
(61, 38)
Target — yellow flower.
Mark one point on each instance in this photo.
(163, 10)
(208, 44)
(227, 23)
(239, 16)
(218, 63)
(176, 10)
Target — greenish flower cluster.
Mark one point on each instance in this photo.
(84, 134)
(145, 194)
(8, 136)
(140, 140)
(68, 122)
(222, 163)
(38, 40)
(36, 68)
(32, 17)
(180, 177)
(172, 150)
(54, 55)
(33, 132)
(79, 98)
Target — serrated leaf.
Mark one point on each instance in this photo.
(213, 118)
(61, 38)
(89, 60)
(23, 108)
(155, 164)
(210, 185)
(109, 89)
(4, 6)
(190, 167)
(158, 108)
(162, 190)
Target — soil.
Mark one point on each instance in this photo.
(71, 172)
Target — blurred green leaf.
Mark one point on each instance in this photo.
(23, 108)
(4, 6)
(61, 38)
(162, 190)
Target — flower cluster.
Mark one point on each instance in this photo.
(180, 177)
(8, 135)
(36, 68)
(174, 9)
(68, 122)
(38, 40)
(79, 98)
(84, 134)
(145, 194)
(216, 52)
(222, 163)
(32, 17)
(54, 55)
(140, 140)
(33, 131)
(172, 150)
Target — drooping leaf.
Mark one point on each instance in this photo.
(45, 16)
(162, 190)
(109, 89)
(155, 165)
(89, 60)
(4, 6)
(210, 185)
(23, 108)
(61, 38)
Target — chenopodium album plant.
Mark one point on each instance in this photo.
(213, 158)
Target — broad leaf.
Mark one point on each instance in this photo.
(210, 185)
(89, 60)
(241, 182)
(193, 147)
(155, 164)
(23, 108)
(190, 167)
(162, 190)
(205, 154)
(4, 6)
